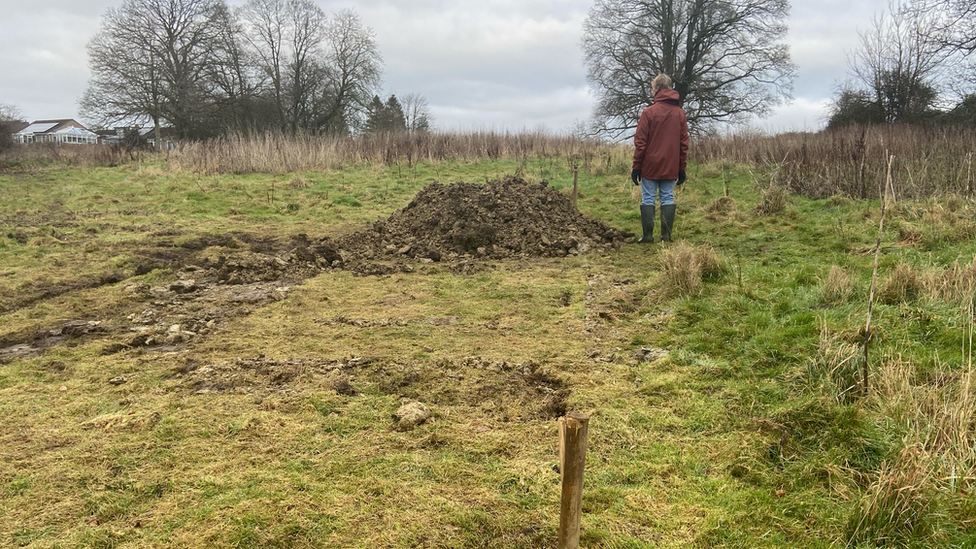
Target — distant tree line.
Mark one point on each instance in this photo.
(914, 65)
(410, 115)
(206, 69)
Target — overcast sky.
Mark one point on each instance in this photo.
(490, 64)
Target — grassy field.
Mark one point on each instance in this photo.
(721, 372)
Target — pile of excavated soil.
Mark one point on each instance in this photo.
(501, 219)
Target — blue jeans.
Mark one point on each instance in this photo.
(651, 187)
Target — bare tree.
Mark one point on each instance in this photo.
(286, 39)
(10, 113)
(198, 66)
(126, 72)
(235, 81)
(725, 57)
(416, 111)
(951, 27)
(954, 22)
(305, 66)
(320, 72)
(154, 59)
(353, 68)
(897, 65)
(265, 27)
(187, 36)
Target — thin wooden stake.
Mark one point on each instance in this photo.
(575, 183)
(874, 278)
(572, 462)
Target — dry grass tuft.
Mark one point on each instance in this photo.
(955, 203)
(937, 463)
(903, 285)
(839, 200)
(938, 413)
(900, 508)
(837, 367)
(838, 287)
(685, 267)
(909, 234)
(955, 284)
(775, 199)
(723, 207)
(298, 183)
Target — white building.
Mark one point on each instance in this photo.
(65, 131)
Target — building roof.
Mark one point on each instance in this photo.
(39, 127)
(65, 125)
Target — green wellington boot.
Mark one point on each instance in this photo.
(647, 223)
(667, 221)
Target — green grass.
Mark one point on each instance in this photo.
(737, 438)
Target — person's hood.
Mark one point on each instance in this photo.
(668, 96)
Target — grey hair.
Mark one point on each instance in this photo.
(661, 82)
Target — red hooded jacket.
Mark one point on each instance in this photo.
(661, 140)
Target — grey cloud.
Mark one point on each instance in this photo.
(44, 59)
(492, 63)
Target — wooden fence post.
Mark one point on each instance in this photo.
(572, 462)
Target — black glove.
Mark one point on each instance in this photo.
(682, 177)
(635, 177)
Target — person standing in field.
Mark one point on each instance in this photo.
(660, 156)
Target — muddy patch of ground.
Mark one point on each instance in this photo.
(462, 227)
(169, 318)
(33, 344)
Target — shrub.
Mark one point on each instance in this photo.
(930, 160)
(6, 136)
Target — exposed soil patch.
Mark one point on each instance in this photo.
(171, 317)
(462, 226)
(37, 291)
(30, 345)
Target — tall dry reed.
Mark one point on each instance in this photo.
(277, 153)
(929, 160)
(40, 155)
